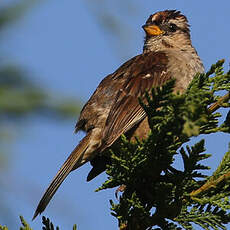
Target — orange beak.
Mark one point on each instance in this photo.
(152, 30)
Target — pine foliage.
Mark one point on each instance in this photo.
(155, 194)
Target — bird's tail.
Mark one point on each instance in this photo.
(73, 161)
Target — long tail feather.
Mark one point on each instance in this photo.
(73, 161)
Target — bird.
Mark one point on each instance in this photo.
(114, 109)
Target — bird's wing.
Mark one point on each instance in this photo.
(96, 110)
(147, 71)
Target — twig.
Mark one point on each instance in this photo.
(210, 184)
(218, 104)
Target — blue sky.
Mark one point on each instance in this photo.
(67, 51)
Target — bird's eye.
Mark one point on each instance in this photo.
(172, 27)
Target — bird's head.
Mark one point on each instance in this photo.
(166, 29)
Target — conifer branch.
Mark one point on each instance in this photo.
(25, 225)
(175, 195)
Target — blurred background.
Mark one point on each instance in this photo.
(53, 54)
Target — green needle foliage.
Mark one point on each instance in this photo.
(47, 225)
(25, 225)
(156, 195)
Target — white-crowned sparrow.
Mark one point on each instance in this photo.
(113, 109)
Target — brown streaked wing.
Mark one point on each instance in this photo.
(147, 71)
(102, 98)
